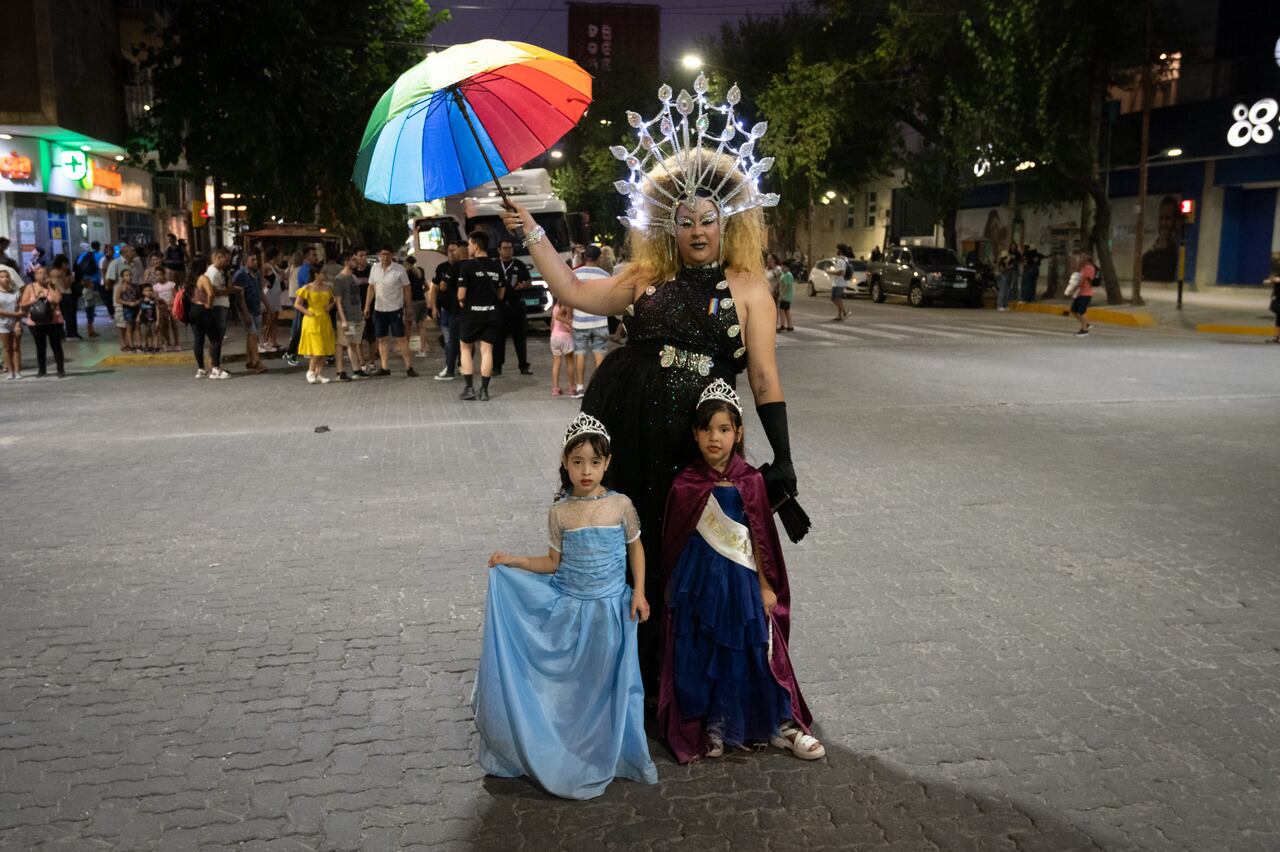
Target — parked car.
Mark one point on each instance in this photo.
(825, 270)
(924, 274)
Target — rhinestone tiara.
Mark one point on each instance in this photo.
(584, 424)
(719, 389)
(681, 141)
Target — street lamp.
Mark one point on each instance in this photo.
(1173, 152)
(691, 61)
(556, 154)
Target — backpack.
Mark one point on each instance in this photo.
(848, 269)
(86, 265)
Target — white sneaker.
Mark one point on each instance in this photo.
(1002, 309)
(311, 377)
(200, 374)
(579, 392)
(11, 376)
(18, 376)
(219, 373)
(324, 380)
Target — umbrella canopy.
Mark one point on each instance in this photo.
(501, 101)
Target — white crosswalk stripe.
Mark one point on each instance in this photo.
(918, 329)
(1042, 331)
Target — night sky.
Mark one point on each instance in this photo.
(545, 22)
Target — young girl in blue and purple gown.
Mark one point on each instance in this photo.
(726, 677)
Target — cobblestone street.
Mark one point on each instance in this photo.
(1039, 609)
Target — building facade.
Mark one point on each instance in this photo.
(68, 91)
(1214, 142)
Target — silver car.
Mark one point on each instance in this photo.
(824, 271)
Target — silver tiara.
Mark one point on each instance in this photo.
(719, 389)
(694, 174)
(584, 424)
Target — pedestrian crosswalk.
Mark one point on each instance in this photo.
(837, 334)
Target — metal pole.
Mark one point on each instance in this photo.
(1142, 162)
(462, 108)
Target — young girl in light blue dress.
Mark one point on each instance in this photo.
(558, 696)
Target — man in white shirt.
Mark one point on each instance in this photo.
(590, 331)
(389, 292)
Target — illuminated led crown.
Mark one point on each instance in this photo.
(686, 141)
(584, 424)
(719, 389)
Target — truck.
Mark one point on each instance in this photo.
(451, 219)
(924, 274)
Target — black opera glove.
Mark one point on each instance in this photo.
(780, 476)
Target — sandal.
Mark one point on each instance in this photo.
(799, 743)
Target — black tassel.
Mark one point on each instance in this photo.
(794, 518)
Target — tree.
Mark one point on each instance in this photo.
(1041, 94)
(588, 171)
(918, 63)
(802, 124)
(825, 127)
(272, 98)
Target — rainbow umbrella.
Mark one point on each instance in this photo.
(465, 116)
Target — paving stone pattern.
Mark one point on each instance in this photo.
(1038, 611)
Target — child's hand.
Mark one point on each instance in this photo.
(500, 557)
(770, 600)
(639, 606)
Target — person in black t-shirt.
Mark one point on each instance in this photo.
(480, 296)
(447, 314)
(415, 313)
(515, 281)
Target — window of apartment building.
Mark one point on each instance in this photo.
(871, 210)
(849, 216)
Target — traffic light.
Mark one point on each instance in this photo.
(199, 214)
(1188, 210)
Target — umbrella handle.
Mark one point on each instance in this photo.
(462, 108)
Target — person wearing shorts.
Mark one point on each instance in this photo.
(389, 292)
(561, 347)
(1084, 294)
(480, 294)
(590, 331)
(350, 328)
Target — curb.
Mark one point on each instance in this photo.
(1111, 316)
(1226, 328)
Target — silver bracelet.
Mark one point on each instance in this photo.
(535, 236)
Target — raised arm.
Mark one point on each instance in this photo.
(602, 296)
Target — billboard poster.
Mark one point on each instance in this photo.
(1160, 229)
(20, 165)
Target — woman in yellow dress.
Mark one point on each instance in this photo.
(316, 342)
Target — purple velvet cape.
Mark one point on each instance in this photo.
(685, 502)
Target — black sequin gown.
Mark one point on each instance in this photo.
(681, 336)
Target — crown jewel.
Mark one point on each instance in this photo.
(688, 144)
(584, 424)
(719, 389)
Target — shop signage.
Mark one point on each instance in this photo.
(20, 169)
(16, 167)
(80, 168)
(1253, 123)
(75, 165)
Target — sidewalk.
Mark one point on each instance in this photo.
(1212, 310)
